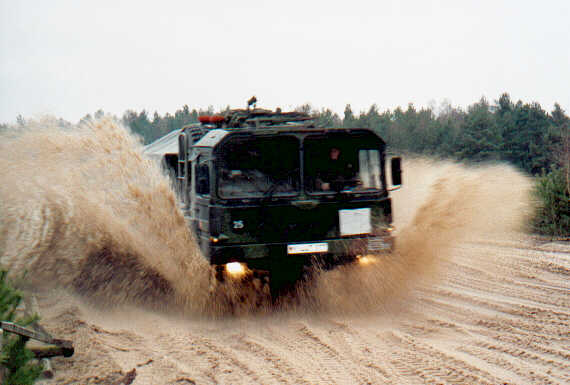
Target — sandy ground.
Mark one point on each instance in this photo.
(465, 297)
(504, 319)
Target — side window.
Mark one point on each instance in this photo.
(181, 171)
(202, 176)
(182, 147)
(369, 162)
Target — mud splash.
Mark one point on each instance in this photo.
(82, 208)
(441, 205)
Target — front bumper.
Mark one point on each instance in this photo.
(338, 251)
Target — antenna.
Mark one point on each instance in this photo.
(251, 102)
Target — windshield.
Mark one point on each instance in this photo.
(343, 162)
(259, 167)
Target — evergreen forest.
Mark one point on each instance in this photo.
(523, 134)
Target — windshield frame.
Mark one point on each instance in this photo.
(268, 192)
(377, 145)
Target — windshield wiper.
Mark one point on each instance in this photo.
(268, 194)
(275, 183)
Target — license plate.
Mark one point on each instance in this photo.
(377, 244)
(307, 248)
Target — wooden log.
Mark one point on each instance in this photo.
(55, 346)
(49, 351)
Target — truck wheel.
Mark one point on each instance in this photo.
(284, 279)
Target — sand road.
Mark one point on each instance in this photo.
(478, 301)
(504, 319)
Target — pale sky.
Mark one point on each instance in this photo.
(68, 58)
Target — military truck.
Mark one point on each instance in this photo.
(271, 193)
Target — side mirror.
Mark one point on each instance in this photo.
(396, 166)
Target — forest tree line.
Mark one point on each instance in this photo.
(523, 134)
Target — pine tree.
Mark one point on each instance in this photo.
(15, 358)
(553, 211)
(349, 120)
(480, 136)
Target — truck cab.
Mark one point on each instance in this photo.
(269, 191)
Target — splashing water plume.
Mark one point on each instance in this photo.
(442, 204)
(83, 208)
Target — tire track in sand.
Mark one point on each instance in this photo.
(478, 324)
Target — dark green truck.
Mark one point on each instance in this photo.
(270, 193)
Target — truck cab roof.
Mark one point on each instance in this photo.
(216, 136)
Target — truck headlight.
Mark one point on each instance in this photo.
(235, 269)
(365, 259)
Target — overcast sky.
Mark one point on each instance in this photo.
(70, 58)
